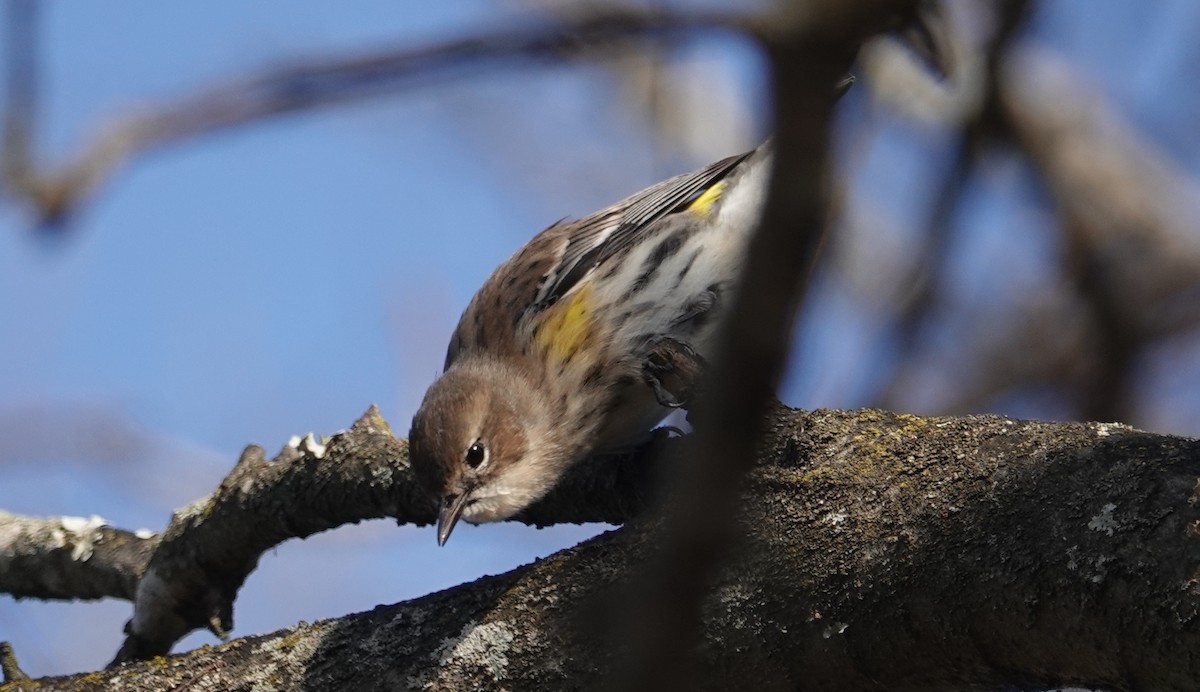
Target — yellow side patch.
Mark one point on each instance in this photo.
(704, 203)
(568, 326)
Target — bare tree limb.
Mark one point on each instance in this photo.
(211, 546)
(188, 577)
(55, 194)
(885, 552)
(70, 558)
(195, 568)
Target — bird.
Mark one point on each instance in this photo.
(584, 340)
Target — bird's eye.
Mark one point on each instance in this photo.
(477, 454)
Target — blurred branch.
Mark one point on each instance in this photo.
(1130, 265)
(1130, 258)
(1045, 341)
(20, 99)
(55, 194)
(1128, 194)
(971, 106)
(811, 47)
(883, 552)
(928, 70)
(1128, 218)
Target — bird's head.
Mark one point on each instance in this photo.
(482, 444)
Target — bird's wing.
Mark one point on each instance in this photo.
(607, 233)
(558, 259)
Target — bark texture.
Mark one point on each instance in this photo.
(70, 557)
(880, 552)
(192, 578)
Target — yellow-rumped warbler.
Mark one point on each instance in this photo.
(583, 340)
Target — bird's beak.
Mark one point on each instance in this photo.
(452, 508)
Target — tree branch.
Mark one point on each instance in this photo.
(70, 558)
(213, 545)
(886, 552)
(1128, 219)
(53, 195)
(189, 576)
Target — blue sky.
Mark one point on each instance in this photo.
(279, 278)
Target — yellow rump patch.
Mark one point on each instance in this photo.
(568, 326)
(704, 203)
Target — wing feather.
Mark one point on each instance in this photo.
(560, 257)
(610, 232)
